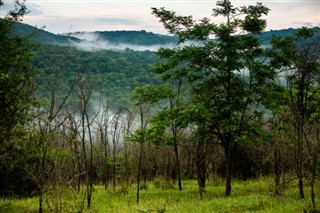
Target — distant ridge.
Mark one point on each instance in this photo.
(142, 37)
(128, 37)
(41, 35)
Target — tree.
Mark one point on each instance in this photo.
(297, 56)
(226, 76)
(104, 126)
(84, 86)
(145, 98)
(16, 74)
(16, 101)
(48, 126)
(169, 122)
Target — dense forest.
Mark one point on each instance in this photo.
(227, 100)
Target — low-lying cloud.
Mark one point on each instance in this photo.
(94, 42)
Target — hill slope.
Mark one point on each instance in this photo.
(121, 39)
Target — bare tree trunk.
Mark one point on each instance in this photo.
(85, 89)
(228, 158)
(299, 157)
(90, 177)
(277, 168)
(177, 162)
(142, 126)
(139, 171)
(313, 175)
(201, 167)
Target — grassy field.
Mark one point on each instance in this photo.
(161, 196)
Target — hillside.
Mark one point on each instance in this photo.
(122, 39)
(113, 55)
(120, 72)
(41, 35)
(127, 37)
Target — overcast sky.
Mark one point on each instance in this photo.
(60, 16)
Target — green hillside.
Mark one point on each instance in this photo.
(119, 37)
(121, 71)
(129, 37)
(41, 35)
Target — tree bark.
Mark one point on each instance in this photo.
(201, 168)
(277, 168)
(228, 158)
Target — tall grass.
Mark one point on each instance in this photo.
(163, 196)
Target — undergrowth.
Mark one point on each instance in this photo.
(162, 195)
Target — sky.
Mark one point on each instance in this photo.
(63, 16)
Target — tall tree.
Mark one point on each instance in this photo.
(84, 86)
(298, 56)
(16, 72)
(16, 100)
(169, 122)
(226, 75)
(145, 97)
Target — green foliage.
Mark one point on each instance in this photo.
(16, 74)
(228, 77)
(119, 71)
(16, 102)
(131, 37)
(40, 36)
(150, 94)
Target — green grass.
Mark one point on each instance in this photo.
(161, 196)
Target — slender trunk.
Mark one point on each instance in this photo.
(277, 168)
(114, 170)
(201, 169)
(300, 131)
(299, 159)
(313, 174)
(106, 155)
(228, 157)
(41, 175)
(139, 172)
(40, 202)
(175, 141)
(178, 164)
(301, 192)
(84, 153)
(142, 126)
(126, 167)
(90, 177)
(299, 164)
(114, 155)
(79, 170)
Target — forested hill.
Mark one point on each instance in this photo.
(127, 37)
(121, 71)
(40, 35)
(136, 38)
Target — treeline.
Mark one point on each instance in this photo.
(142, 37)
(228, 108)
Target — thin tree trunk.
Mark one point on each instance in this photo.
(90, 175)
(139, 172)
(142, 126)
(277, 168)
(178, 163)
(40, 201)
(313, 174)
(201, 168)
(228, 157)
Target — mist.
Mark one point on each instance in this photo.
(94, 42)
